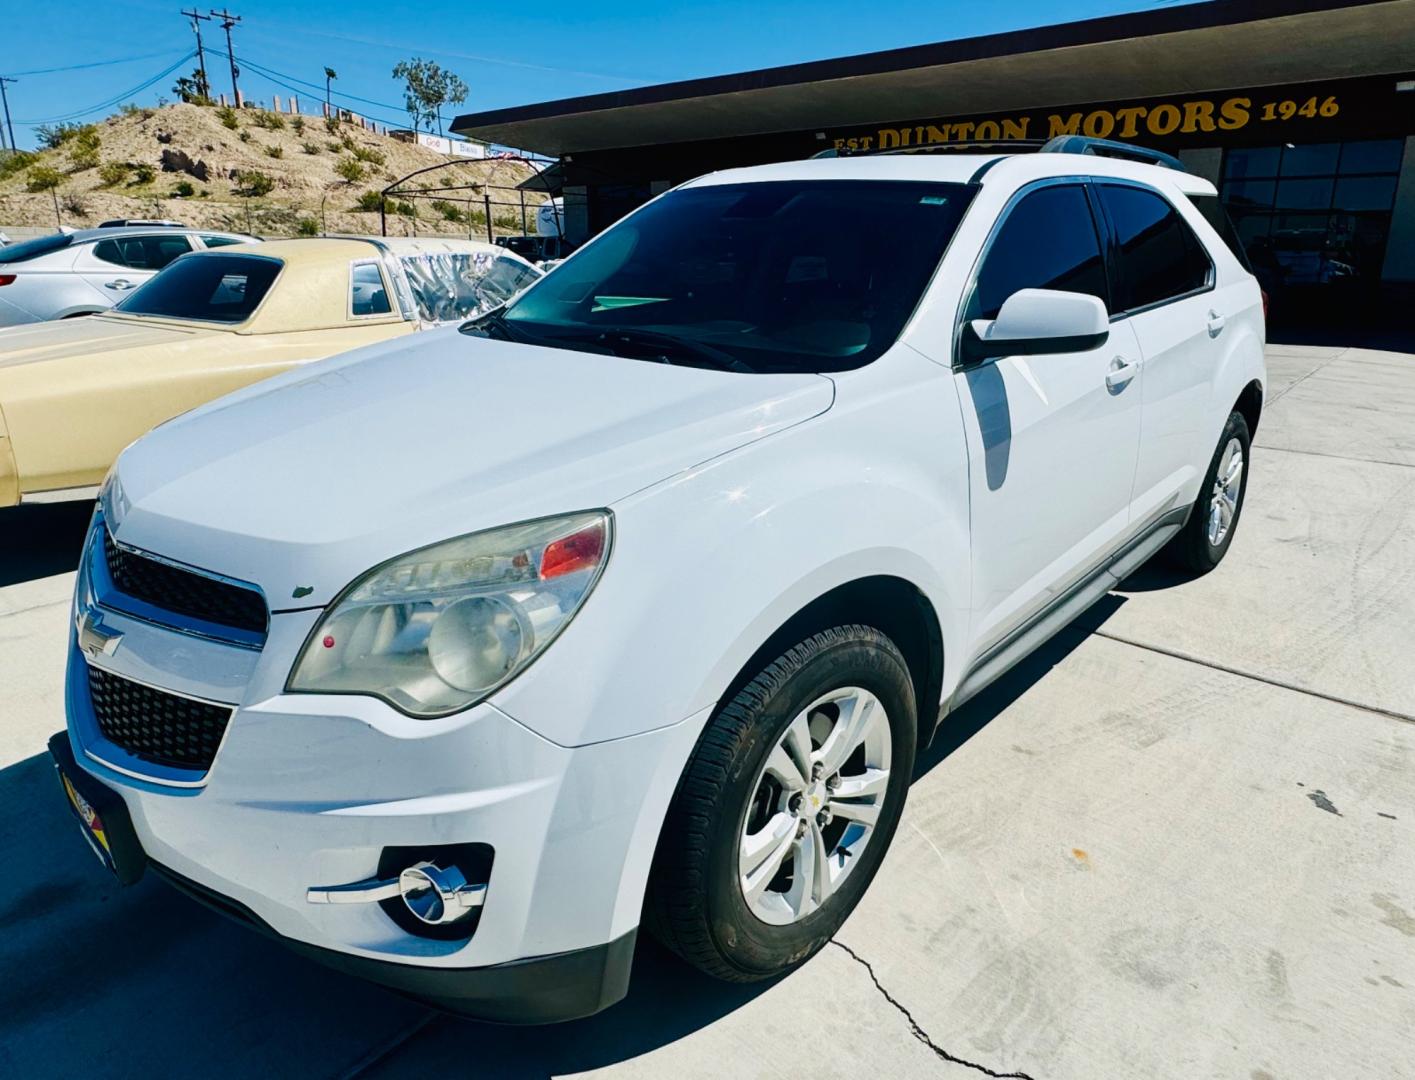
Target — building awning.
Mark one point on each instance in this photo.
(1170, 50)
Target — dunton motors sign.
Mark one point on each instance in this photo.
(1265, 115)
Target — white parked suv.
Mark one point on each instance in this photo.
(450, 660)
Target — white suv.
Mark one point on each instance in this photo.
(449, 660)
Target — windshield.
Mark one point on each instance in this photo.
(30, 249)
(788, 276)
(451, 285)
(207, 287)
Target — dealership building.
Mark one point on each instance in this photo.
(1301, 112)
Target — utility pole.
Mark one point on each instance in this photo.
(3, 80)
(227, 22)
(195, 16)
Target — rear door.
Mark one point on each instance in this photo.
(117, 266)
(1162, 281)
(1052, 439)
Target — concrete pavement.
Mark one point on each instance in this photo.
(1176, 843)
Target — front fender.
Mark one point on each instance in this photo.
(708, 564)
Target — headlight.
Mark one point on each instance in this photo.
(441, 628)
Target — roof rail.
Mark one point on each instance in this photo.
(970, 147)
(1082, 144)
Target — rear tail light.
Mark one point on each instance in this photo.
(1264, 293)
(6, 279)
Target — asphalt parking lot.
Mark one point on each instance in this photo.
(1179, 842)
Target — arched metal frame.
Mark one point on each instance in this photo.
(450, 192)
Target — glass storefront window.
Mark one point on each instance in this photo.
(1372, 156)
(1313, 219)
(1318, 159)
(1258, 161)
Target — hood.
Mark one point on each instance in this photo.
(310, 479)
(63, 338)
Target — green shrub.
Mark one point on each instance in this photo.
(307, 227)
(369, 202)
(270, 121)
(350, 169)
(331, 125)
(111, 173)
(183, 189)
(275, 151)
(449, 211)
(310, 148)
(403, 209)
(128, 108)
(244, 136)
(72, 204)
(83, 151)
(43, 178)
(19, 161)
(53, 137)
(253, 183)
(227, 116)
(143, 174)
(298, 123)
(368, 154)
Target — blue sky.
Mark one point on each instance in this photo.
(518, 53)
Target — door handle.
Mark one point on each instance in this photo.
(1215, 323)
(1120, 373)
(121, 284)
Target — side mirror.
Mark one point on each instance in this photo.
(1038, 321)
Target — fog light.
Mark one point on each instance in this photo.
(436, 896)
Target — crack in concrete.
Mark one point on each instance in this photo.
(381, 1053)
(917, 1031)
(1281, 684)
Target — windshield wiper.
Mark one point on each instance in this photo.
(654, 339)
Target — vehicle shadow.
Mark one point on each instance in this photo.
(144, 981)
(41, 539)
(969, 719)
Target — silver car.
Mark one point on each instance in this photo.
(80, 273)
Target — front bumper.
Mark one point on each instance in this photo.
(312, 790)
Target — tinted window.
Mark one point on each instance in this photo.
(1211, 206)
(142, 252)
(211, 288)
(222, 241)
(370, 297)
(800, 275)
(1048, 241)
(1158, 257)
(32, 249)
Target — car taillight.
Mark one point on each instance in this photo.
(1264, 293)
(6, 279)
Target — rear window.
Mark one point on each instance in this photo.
(142, 252)
(32, 249)
(208, 288)
(1211, 206)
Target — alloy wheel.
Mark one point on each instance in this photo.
(1228, 485)
(815, 805)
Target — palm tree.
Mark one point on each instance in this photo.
(329, 76)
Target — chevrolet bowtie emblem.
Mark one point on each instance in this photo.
(94, 639)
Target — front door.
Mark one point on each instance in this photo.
(1052, 439)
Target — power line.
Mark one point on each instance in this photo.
(96, 63)
(110, 102)
(274, 76)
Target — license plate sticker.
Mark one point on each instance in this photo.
(91, 824)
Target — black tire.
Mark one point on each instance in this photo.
(695, 904)
(1190, 549)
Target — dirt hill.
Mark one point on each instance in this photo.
(254, 171)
